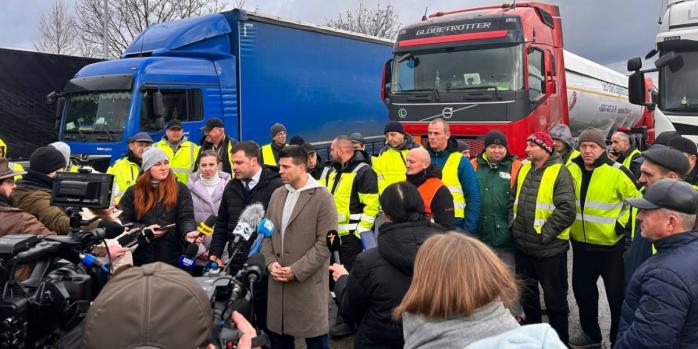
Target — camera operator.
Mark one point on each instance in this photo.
(125, 315)
(156, 200)
(33, 194)
(12, 219)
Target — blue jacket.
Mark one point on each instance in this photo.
(468, 180)
(661, 303)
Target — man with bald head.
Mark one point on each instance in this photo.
(438, 201)
(624, 153)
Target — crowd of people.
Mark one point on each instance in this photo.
(438, 249)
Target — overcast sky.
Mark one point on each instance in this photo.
(605, 31)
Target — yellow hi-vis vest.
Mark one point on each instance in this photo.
(390, 167)
(268, 155)
(348, 221)
(604, 204)
(545, 205)
(629, 158)
(125, 174)
(573, 155)
(449, 176)
(182, 163)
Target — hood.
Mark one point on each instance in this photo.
(562, 132)
(409, 144)
(451, 146)
(419, 178)
(398, 242)
(310, 184)
(529, 336)
(36, 180)
(489, 320)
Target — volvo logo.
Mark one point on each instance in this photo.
(447, 113)
(402, 113)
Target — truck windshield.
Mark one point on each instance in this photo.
(450, 69)
(96, 116)
(676, 92)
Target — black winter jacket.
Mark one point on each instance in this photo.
(232, 204)
(660, 309)
(525, 237)
(170, 246)
(442, 204)
(379, 280)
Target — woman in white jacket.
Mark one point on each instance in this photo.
(206, 186)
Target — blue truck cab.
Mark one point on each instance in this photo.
(249, 70)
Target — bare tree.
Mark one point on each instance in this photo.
(378, 21)
(127, 18)
(57, 30)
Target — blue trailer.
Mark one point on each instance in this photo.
(247, 69)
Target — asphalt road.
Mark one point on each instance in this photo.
(604, 316)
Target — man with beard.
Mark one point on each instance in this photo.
(182, 152)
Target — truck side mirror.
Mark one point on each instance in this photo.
(387, 79)
(634, 64)
(158, 104)
(636, 88)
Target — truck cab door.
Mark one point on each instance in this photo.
(551, 90)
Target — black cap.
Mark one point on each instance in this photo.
(669, 158)
(495, 137)
(665, 137)
(683, 145)
(357, 137)
(174, 124)
(672, 194)
(296, 140)
(393, 126)
(46, 160)
(309, 148)
(212, 123)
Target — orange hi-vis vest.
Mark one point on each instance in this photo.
(428, 190)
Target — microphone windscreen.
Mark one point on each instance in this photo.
(252, 214)
(256, 260)
(191, 251)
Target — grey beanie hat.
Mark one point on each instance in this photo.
(562, 132)
(152, 156)
(64, 148)
(593, 135)
(276, 128)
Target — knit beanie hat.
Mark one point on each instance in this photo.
(683, 145)
(394, 126)
(46, 160)
(296, 140)
(665, 137)
(151, 156)
(495, 137)
(143, 307)
(593, 135)
(542, 140)
(276, 128)
(64, 148)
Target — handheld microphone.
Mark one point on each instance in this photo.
(264, 230)
(86, 259)
(333, 244)
(135, 237)
(206, 227)
(186, 261)
(254, 268)
(247, 223)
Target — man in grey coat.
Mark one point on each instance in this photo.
(296, 255)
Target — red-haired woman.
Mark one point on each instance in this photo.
(156, 200)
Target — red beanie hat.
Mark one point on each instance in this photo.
(542, 139)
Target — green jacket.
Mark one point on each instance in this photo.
(495, 186)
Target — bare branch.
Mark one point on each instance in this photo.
(379, 21)
(57, 30)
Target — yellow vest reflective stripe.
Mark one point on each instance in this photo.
(390, 167)
(268, 155)
(347, 222)
(182, 163)
(125, 174)
(575, 154)
(604, 204)
(544, 199)
(449, 176)
(629, 158)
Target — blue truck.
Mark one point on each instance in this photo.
(249, 70)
